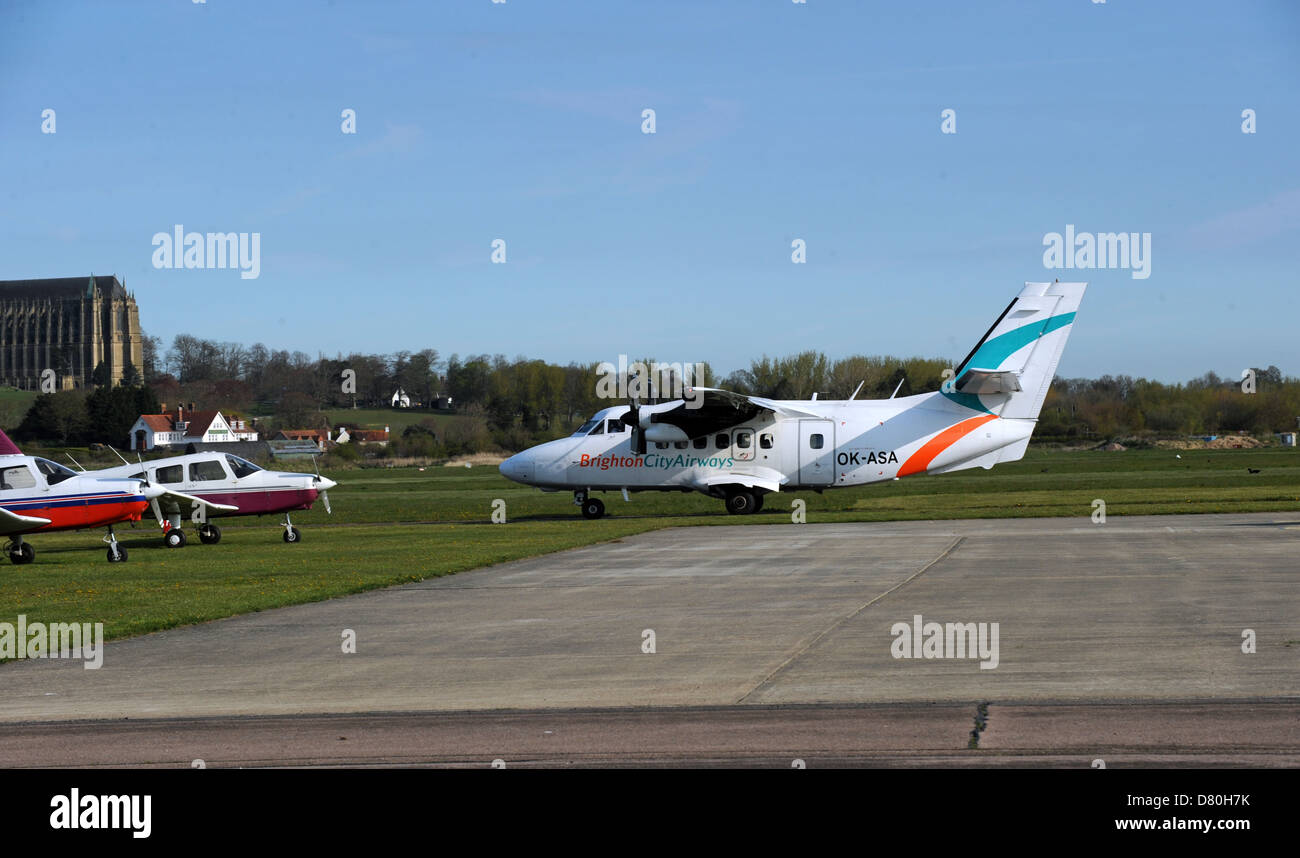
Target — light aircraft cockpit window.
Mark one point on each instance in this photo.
(54, 472)
(816, 441)
(170, 474)
(600, 428)
(17, 477)
(616, 426)
(239, 467)
(205, 471)
(585, 428)
(722, 441)
(700, 443)
(744, 439)
(765, 441)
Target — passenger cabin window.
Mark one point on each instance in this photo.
(17, 477)
(765, 441)
(206, 471)
(816, 441)
(680, 445)
(661, 445)
(239, 467)
(171, 474)
(699, 443)
(53, 472)
(722, 441)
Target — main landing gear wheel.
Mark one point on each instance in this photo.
(116, 554)
(209, 534)
(291, 534)
(742, 502)
(593, 508)
(174, 538)
(758, 501)
(21, 553)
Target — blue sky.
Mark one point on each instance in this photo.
(774, 121)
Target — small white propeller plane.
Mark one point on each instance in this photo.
(207, 485)
(740, 448)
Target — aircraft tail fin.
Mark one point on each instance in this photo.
(7, 447)
(1009, 370)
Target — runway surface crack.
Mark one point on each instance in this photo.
(943, 555)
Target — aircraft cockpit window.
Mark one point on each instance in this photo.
(600, 428)
(722, 441)
(170, 474)
(616, 426)
(765, 441)
(585, 428)
(816, 441)
(239, 467)
(700, 443)
(17, 477)
(53, 472)
(206, 471)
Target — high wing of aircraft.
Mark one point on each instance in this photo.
(201, 486)
(37, 495)
(740, 448)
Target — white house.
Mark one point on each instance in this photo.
(174, 428)
(401, 399)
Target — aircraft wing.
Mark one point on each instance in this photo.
(12, 522)
(171, 501)
(718, 410)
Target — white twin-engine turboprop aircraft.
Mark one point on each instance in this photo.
(739, 448)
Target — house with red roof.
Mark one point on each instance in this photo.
(183, 426)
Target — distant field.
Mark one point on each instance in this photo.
(378, 418)
(13, 405)
(399, 525)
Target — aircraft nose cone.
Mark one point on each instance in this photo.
(324, 484)
(518, 468)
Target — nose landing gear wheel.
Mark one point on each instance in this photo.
(291, 534)
(209, 534)
(593, 508)
(174, 538)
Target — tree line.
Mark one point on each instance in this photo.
(512, 403)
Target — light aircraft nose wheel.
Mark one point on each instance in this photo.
(291, 534)
(174, 538)
(741, 503)
(209, 534)
(593, 508)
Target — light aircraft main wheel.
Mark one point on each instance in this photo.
(175, 538)
(209, 534)
(119, 557)
(741, 503)
(21, 554)
(291, 534)
(593, 508)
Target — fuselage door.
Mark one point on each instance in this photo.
(816, 452)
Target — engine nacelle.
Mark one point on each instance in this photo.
(665, 432)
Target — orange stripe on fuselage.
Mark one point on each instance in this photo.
(921, 459)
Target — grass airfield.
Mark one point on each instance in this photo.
(402, 525)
